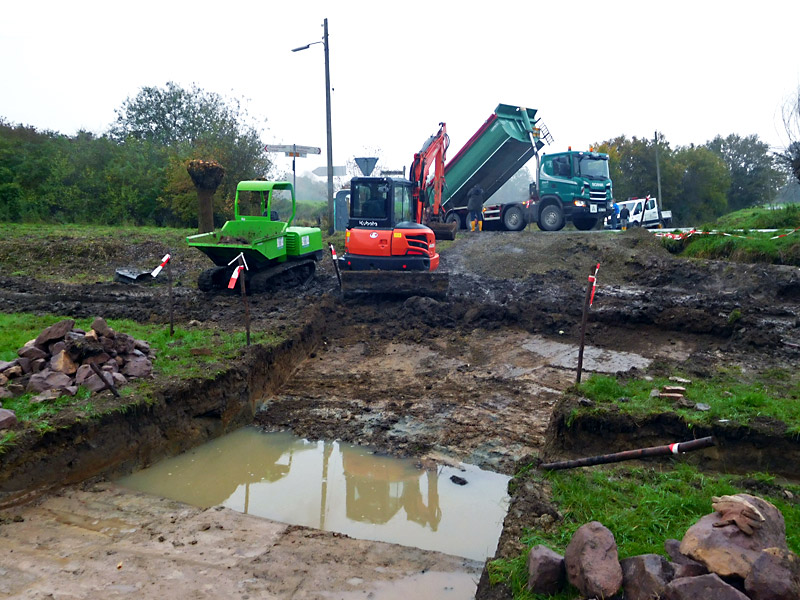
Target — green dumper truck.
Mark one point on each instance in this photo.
(570, 186)
(276, 253)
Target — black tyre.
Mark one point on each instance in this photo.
(212, 279)
(453, 217)
(258, 283)
(298, 276)
(513, 219)
(551, 218)
(585, 224)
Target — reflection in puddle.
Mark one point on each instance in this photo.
(337, 487)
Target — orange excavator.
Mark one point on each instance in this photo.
(390, 242)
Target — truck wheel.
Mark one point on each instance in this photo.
(551, 218)
(454, 218)
(513, 219)
(584, 224)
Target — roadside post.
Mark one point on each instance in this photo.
(167, 261)
(336, 266)
(237, 274)
(590, 289)
(171, 307)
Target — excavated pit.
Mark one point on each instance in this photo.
(476, 379)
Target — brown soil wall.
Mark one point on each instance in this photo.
(179, 416)
(763, 445)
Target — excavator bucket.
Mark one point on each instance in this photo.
(444, 231)
(433, 284)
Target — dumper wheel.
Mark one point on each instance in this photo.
(259, 283)
(298, 276)
(212, 279)
(266, 281)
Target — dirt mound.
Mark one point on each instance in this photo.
(517, 256)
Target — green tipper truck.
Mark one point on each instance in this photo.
(276, 253)
(571, 186)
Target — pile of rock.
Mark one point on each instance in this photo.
(60, 360)
(738, 552)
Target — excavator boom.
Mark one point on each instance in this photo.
(428, 194)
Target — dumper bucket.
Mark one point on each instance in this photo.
(395, 283)
(444, 231)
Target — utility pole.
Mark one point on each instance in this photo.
(324, 42)
(658, 177)
(328, 117)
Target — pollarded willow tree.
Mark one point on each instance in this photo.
(206, 176)
(193, 124)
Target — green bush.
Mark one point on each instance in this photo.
(10, 202)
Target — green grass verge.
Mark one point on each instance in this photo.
(787, 217)
(82, 254)
(641, 506)
(743, 244)
(772, 394)
(755, 247)
(131, 233)
(188, 353)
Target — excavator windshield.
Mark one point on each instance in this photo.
(369, 200)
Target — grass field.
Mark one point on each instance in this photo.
(729, 394)
(642, 506)
(175, 356)
(743, 244)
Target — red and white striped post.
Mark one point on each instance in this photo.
(238, 273)
(167, 261)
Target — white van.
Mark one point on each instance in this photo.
(644, 213)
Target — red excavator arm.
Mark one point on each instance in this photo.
(428, 211)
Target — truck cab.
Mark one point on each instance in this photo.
(572, 186)
(383, 229)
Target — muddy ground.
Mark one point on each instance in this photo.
(474, 378)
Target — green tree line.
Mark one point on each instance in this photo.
(698, 183)
(135, 172)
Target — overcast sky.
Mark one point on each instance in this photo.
(593, 70)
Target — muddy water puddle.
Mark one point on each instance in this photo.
(337, 487)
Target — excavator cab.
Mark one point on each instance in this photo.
(383, 232)
(384, 238)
